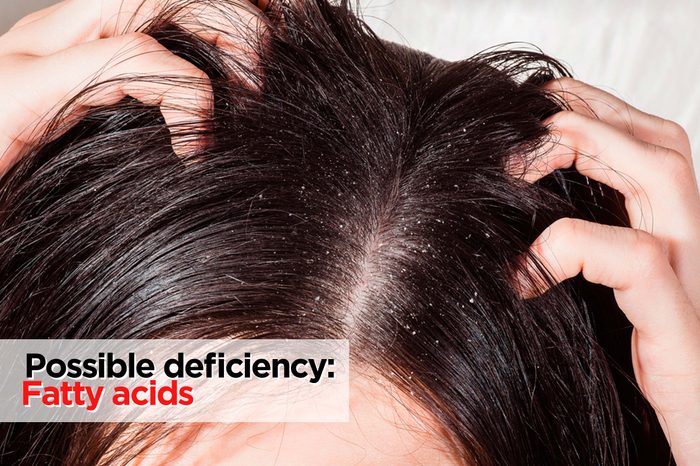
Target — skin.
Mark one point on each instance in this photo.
(102, 44)
(653, 268)
(386, 427)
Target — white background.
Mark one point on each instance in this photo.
(645, 51)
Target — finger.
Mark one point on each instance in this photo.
(631, 262)
(593, 102)
(47, 31)
(657, 183)
(133, 65)
(238, 31)
(666, 337)
(10, 147)
(35, 15)
(72, 22)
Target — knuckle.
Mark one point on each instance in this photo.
(143, 42)
(561, 118)
(195, 82)
(675, 166)
(567, 82)
(567, 119)
(649, 250)
(566, 231)
(676, 132)
(556, 243)
(195, 76)
(561, 122)
(200, 77)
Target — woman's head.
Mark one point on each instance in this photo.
(362, 193)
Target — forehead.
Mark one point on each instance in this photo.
(386, 427)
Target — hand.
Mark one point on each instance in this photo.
(654, 267)
(48, 57)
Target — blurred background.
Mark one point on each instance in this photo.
(644, 51)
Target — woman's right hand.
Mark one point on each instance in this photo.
(654, 267)
(48, 57)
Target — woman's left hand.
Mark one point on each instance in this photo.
(653, 267)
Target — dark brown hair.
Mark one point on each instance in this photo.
(360, 194)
